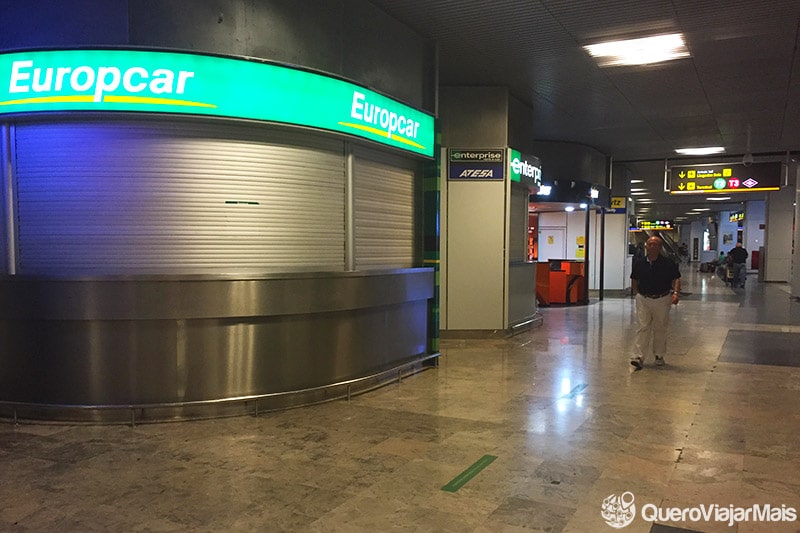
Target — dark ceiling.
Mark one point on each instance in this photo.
(744, 71)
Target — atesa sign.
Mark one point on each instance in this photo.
(168, 82)
(469, 164)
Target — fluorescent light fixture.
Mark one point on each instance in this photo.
(638, 189)
(637, 181)
(569, 209)
(544, 190)
(639, 193)
(583, 205)
(718, 199)
(645, 201)
(644, 51)
(708, 150)
(699, 209)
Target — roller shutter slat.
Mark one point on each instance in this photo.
(384, 206)
(112, 198)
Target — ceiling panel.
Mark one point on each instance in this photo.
(744, 71)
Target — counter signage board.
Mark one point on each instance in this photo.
(524, 165)
(470, 165)
(169, 82)
(663, 225)
(618, 205)
(725, 178)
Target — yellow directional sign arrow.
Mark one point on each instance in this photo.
(682, 174)
(681, 186)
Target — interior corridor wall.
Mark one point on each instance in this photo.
(796, 247)
(350, 38)
(728, 232)
(574, 228)
(475, 255)
(755, 219)
(778, 238)
(472, 268)
(615, 252)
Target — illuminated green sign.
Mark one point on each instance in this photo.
(524, 165)
(164, 82)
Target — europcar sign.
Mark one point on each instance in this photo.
(167, 82)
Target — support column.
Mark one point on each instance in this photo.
(349, 211)
(9, 234)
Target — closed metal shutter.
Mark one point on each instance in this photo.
(385, 202)
(108, 198)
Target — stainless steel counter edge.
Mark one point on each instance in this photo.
(197, 297)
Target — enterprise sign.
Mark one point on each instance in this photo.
(725, 178)
(167, 82)
(468, 164)
(525, 165)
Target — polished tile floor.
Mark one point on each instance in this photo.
(534, 432)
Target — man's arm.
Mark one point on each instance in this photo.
(634, 286)
(676, 288)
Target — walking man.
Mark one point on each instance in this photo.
(656, 282)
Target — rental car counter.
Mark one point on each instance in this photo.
(560, 281)
(189, 234)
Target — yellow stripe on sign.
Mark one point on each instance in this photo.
(150, 100)
(88, 98)
(382, 133)
(49, 100)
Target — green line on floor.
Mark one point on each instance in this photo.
(575, 391)
(461, 479)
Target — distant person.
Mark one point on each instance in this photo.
(738, 255)
(656, 282)
(683, 252)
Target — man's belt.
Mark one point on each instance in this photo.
(654, 296)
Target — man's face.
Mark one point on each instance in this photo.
(653, 247)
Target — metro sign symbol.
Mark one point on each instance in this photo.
(733, 183)
(749, 183)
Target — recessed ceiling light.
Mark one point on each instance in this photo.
(718, 198)
(707, 150)
(569, 209)
(637, 181)
(644, 51)
(698, 209)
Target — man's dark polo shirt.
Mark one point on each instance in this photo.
(655, 278)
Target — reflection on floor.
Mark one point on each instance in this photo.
(568, 422)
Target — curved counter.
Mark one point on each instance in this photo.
(176, 341)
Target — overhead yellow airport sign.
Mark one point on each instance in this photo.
(725, 178)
